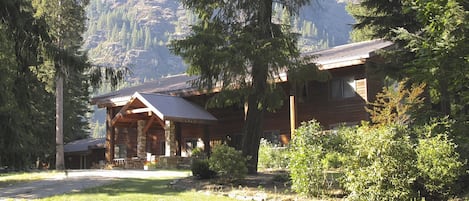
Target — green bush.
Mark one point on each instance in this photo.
(437, 161)
(201, 169)
(308, 163)
(228, 162)
(390, 162)
(380, 163)
(271, 156)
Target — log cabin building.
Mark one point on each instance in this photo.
(167, 117)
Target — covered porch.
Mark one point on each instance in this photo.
(157, 127)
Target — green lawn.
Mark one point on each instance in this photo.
(136, 189)
(12, 178)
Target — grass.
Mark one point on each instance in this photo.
(136, 189)
(13, 178)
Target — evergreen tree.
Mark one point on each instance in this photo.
(431, 45)
(66, 23)
(236, 45)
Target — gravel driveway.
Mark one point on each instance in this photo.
(76, 180)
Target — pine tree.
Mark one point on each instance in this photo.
(236, 44)
(66, 23)
(431, 45)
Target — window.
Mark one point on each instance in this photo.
(343, 87)
(120, 151)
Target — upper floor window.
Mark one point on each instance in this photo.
(343, 87)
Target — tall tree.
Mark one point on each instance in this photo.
(66, 23)
(236, 46)
(431, 45)
(24, 102)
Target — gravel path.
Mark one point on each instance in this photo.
(76, 180)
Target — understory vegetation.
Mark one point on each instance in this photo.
(399, 155)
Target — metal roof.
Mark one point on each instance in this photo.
(166, 85)
(349, 54)
(174, 108)
(85, 145)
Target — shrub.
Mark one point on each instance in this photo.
(308, 163)
(271, 156)
(437, 161)
(201, 169)
(380, 163)
(228, 162)
(198, 153)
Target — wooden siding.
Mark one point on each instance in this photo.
(313, 101)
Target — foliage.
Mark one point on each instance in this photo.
(431, 46)
(437, 160)
(228, 162)
(380, 164)
(201, 169)
(237, 47)
(30, 54)
(272, 156)
(396, 105)
(310, 153)
(198, 153)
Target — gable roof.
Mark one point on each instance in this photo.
(84, 145)
(166, 107)
(166, 85)
(336, 57)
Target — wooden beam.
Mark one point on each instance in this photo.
(148, 125)
(121, 113)
(138, 110)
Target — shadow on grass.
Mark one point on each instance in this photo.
(135, 186)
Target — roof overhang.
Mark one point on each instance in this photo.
(162, 108)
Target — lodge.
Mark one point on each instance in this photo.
(167, 118)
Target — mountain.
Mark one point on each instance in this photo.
(134, 33)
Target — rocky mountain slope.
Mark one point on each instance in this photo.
(134, 33)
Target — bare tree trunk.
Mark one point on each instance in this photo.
(59, 137)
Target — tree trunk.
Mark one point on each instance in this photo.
(253, 129)
(59, 137)
(445, 104)
(256, 99)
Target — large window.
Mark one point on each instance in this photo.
(343, 87)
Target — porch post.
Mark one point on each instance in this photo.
(292, 116)
(141, 139)
(170, 138)
(110, 135)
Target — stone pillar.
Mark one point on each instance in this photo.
(170, 138)
(141, 139)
